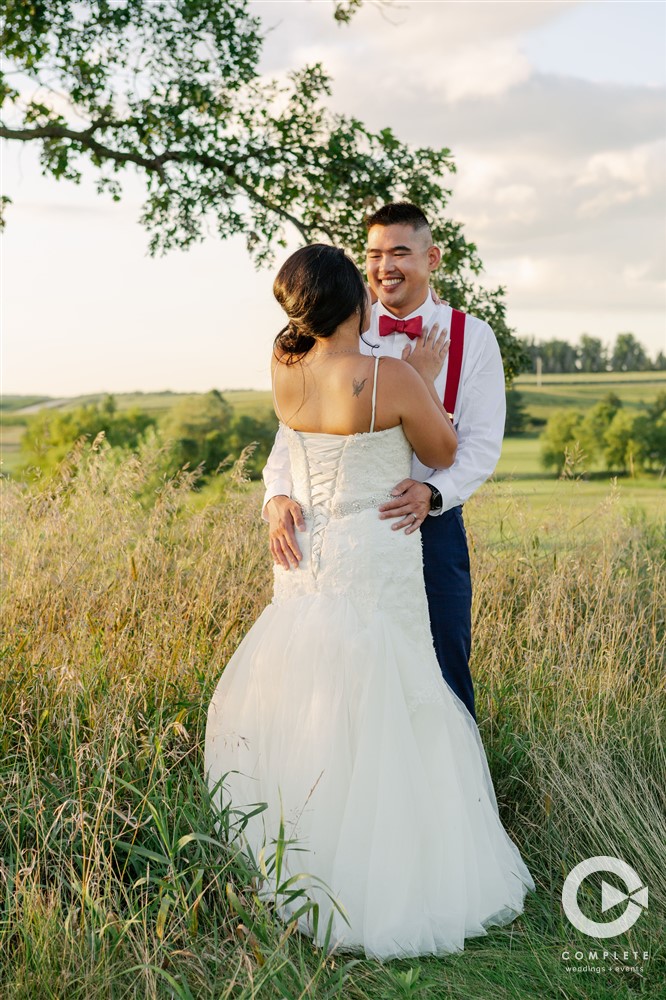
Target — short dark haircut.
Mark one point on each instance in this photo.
(400, 213)
(319, 287)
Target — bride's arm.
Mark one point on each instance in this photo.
(424, 421)
(277, 472)
(283, 514)
(430, 433)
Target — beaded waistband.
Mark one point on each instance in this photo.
(345, 508)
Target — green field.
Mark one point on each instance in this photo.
(119, 619)
(15, 410)
(245, 400)
(10, 437)
(579, 390)
(518, 475)
(583, 391)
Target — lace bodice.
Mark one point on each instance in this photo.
(339, 482)
(338, 475)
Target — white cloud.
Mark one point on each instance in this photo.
(618, 177)
(431, 28)
(459, 76)
(449, 51)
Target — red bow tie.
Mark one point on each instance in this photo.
(412, 327)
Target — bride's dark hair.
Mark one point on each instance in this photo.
(319, 287)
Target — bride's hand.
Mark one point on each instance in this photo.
(285, 518)
(427, 355)
(436, 299)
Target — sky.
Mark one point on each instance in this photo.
(555, 113)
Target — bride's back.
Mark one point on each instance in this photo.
(332, 394)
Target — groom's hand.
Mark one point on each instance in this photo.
(411, 504)
(285, 517)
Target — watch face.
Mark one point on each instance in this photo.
(436, 498)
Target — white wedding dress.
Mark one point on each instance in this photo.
(333, 711)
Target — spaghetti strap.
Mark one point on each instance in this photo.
(374, 394)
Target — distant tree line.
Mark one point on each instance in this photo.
(590, 355)
(620, 439)
(517, 417)
(199, 430)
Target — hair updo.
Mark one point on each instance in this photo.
(319, 287)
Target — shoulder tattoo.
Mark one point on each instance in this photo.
(357, 387)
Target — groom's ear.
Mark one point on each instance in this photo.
(434, 258)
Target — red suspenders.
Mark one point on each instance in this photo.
(455, 361)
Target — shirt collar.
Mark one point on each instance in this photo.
(426, 310)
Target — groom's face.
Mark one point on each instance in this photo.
(400, 260)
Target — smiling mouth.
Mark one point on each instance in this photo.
(391, 282)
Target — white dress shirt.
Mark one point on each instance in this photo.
(478, 418)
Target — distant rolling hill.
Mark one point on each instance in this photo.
(520, 455)
(250, 401)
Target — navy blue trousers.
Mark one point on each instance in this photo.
(449, 589)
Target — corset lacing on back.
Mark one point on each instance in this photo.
(322, 456)
(324, 463)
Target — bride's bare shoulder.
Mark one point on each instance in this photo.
(282, 358)
(393, 370)
(394, 365)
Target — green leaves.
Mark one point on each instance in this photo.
(345, 10)
(623, 440)
(173, 91)
(4, 202)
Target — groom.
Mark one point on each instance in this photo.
(400, 260)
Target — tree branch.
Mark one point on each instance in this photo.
(150, 163)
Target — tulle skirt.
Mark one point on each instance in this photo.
(344, 727)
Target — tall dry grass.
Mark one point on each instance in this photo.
(121, 607)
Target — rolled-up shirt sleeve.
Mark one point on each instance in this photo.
(480, 426)
(277, 471)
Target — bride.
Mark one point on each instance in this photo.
(333, 710)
